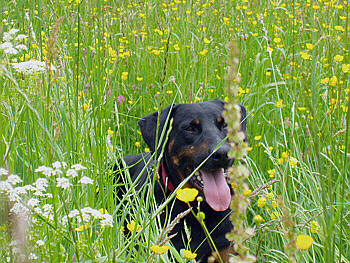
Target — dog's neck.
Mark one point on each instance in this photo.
(165, 178)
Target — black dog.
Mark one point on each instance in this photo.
(197, 129)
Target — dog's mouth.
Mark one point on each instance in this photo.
(214, 185)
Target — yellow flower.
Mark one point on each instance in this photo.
(206, 41)
(314, 226)
(147, 150)
(82, 227)
(274, 204)
(258, 219)
(345, 68)
(204, 52)
(132, 226)
(333, 81)
(279, 104)
(304, 242)
(257, 138)
(338, 58)
(280, 161)
(110, 133)
(189, 255)
(139, 79)
(274, 215)
(293, 162)
(125, 75)
(309, 46)
(325, 81)
(271, 173)
(285, 155)
(103, 211)
(270, 196)
(277, 40)
(137, 144)
(159, 250)
(339, 28)
(247, 193)
(187, 194)
(305, 55)
(261, 202)
(176, 47)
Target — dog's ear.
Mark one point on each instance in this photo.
(148, 126)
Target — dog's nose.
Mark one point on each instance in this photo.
(219, 156)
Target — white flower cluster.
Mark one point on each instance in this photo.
(31, 67)
(12, 42)
(86, 215)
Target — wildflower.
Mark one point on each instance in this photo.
(3, 171)
(63, 183)
(270, 196)
(120, 99)
(314, 226)
(187, 194)
(204, 52)
(14, 179)
(86, 180)
(293, 162)
(40, 243)
(274, 215)
(309, 46)
(110, 132)
(271, 173)
(159, 250)
(83, 227)
(333, 81)
(137, 144)
(48, 171)
(133, 227)
(325, 81)
(125, 75)
(71, 173)
(176, 47)
(78, 167)
(139, 79)
(258, 219)
(338, 58)
(304, 242)
(279, 104)
(305, 55)
(189, 255)
(107, 221)
(345, 68)
(257, 138)
(247, 193)
(280, 161)
(285, 156)
(103, 211)
(206, 41)
(147, 150)
(339, 28)
(31, 66)
(261, 202)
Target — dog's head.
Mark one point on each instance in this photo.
(197, 130)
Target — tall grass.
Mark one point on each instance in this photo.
(110, 57)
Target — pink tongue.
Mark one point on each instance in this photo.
(216, 190)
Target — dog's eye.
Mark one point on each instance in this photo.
(190, 128)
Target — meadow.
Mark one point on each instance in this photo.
(77, 75)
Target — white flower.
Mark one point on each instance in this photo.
(73, 213)
(14, 179)
(3, 171)
(71, 173)
(22, 47)
(6, 45)
(10, 35)
(32, 202)
(19, 209)
(63, 183)
(78, 167)
(32, 256)
(20, 37)
(107, 220)
(48, 171)
(40, 243)
(31, 67)
(88, 210)
(5, 186)
(86, 180)
(11, 51)
(41, 184)
(57, 165)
